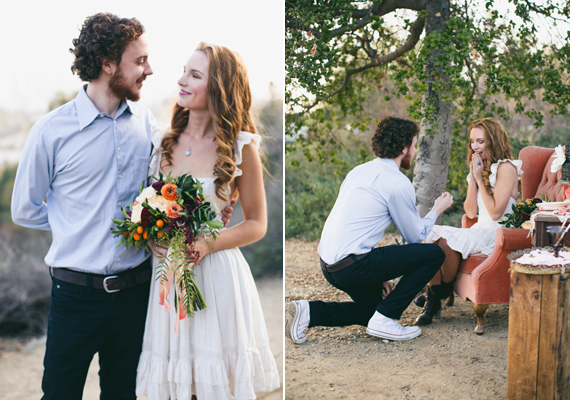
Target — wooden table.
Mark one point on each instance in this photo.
(539, 337)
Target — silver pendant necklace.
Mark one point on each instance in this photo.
(188, 152)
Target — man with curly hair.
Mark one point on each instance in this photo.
(373, 196)
(88, 158)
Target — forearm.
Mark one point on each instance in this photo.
(494, 209)
(470, 204)
(242, 234)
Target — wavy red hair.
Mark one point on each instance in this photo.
(229, 103)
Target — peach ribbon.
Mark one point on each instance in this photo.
(164, 291)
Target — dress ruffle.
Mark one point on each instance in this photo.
(477, 239)
(160, 378)
(243, 139)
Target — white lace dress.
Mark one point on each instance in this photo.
(222, 351)
(480, 238)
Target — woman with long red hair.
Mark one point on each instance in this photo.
(493, 189)
(223, 350)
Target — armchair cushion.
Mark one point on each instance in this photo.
(549, 183)
(473, 261)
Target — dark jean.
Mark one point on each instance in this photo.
(83, 321)
(362, 281)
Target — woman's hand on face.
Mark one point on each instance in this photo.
(476, 167)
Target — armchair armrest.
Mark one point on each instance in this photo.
(467, 222)
(491, 277)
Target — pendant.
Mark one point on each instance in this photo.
(187, 153)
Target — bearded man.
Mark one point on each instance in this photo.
(372, 197)
(88, 158)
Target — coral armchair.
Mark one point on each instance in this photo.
(484, 279)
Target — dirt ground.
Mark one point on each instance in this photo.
(448, 361)
(21, 362)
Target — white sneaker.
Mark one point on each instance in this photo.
(388, 328)
(297, 319)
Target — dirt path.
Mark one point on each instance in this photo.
(448, 361)
(21, 364)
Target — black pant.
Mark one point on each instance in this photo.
(362, 281)
(83, 321)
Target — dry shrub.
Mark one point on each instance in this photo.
(25, 283)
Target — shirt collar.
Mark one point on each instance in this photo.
(389, 162)
(87, 112)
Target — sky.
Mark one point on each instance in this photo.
(35, 37)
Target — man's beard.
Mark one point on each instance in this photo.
(119, 87)
(406, 162)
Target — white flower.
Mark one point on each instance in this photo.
(158, 203)
(136, 214)
(559, 160)
(147, 193)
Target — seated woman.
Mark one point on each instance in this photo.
(493, 189)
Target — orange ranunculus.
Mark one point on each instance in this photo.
(172, 210)
(529, 202)
(520, 204)
(168, 191)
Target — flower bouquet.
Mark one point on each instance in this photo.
(521, 213)
(171, 212)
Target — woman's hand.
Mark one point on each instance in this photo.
(476, 168)
(227, 213)
(201, 247)
(157, 250)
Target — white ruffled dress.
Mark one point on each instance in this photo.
(480, 238)
(223, 350)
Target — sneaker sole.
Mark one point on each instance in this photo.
(293, 311)
(391, 336)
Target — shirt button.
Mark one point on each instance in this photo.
(119, 259)
(120, 176)
(119, 203)
(118, 149)
(115, 122)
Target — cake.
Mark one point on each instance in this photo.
(566, 166)
(540, 261)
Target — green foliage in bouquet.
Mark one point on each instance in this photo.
(521, 212)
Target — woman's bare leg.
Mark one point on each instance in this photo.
(450, 266)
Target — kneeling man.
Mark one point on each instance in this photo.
(373, 196)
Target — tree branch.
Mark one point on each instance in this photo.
(363, 16)
(387, 6)
(415, 32)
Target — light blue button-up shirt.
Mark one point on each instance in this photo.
(87, 165)
(372, 196)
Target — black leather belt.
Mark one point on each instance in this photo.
(109, 283)
(342, 264)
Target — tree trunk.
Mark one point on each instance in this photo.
(432, 160)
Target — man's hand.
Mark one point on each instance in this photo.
(442, 203)
(386, 289)
(227, 213)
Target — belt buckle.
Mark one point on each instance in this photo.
(105, 284)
